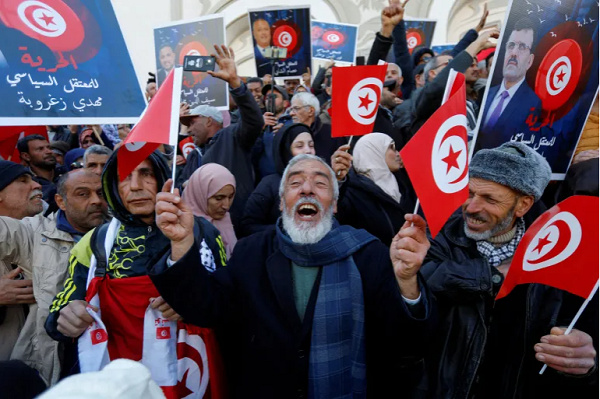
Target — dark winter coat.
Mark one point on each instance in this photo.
(363, 205)
(252, 298)
(465, 286)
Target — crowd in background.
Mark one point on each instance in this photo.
(237, 186)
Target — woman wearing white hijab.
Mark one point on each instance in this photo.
(377, 193)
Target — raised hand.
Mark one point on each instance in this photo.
(269, 119)
(483, 42)
(341, 161)
(481, 23)
(391, 16)
(227, 71)
(407, 252)
(175, 219)
(572, 354)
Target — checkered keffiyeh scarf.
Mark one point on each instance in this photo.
(496, 255)
(337, 364)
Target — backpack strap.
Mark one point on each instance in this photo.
(97, 246)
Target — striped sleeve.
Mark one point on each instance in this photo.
(75, 284)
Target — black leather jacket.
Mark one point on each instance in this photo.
(465, 286)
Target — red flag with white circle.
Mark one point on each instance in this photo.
(414, 38)
(436, 158)
(333, 38)
(558, 74)
(159, 124)
(560, 249)
(52, 22)
(186, 146)
(356, 92)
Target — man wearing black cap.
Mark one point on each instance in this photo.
(495, 349)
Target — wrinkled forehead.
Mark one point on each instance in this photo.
(308, 168)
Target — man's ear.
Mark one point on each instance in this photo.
(524, 204)
(62, 204)
(531, 57)
(281, 205)
(25, 157)
(334, 207)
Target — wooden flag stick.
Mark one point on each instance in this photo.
(579, 312)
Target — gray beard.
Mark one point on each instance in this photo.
(305, 232)
(486, 235)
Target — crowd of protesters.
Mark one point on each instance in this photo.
(297, 252)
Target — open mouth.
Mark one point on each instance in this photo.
(475, 222)
(307, 211)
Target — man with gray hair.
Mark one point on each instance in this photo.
(321, 310)
(95, 157)
(305, 109)
(488, 349)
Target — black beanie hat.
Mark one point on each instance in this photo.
(9, 171)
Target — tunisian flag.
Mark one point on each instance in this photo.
(158, 125)
(10, 135)
(560, 249)
(436, 157)
(355, 99)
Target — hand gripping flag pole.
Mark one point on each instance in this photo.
(579, 312)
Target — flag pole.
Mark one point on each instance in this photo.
(417, 206)
(174, 127)
(350, 144)
(579, 312)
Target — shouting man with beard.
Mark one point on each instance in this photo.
(314, 309)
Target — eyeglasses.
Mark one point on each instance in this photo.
(298, 108)
(76, 165)
(521, 46)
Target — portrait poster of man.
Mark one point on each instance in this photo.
(334, 41)
(287, 28)
(174, 41)
(65, 63)
(544, 80)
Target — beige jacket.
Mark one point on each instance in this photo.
(12, 323)
(42, 251)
